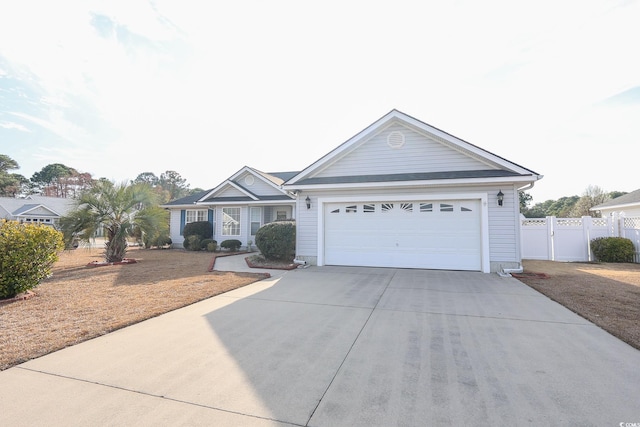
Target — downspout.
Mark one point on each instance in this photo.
(506, 272)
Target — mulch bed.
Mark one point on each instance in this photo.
(530, 275)
(125, 261)
(251, 262)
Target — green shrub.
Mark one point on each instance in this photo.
(613, 249)
(162, 241)
(204, 243)
(211, 247)
(232, 244)
(277, 240)
(27, 252)
(192, 243)
(204, 229)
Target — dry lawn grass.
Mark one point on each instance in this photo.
(79, 303)
(606, 294)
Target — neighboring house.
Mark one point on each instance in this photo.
(35, 209)
(627, 205)
(400, 193)
(236, 208)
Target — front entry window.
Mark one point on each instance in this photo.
(231, 221)
(256, 215)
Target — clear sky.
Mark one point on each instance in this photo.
(117, 88)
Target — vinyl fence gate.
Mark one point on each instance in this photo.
(569, 239)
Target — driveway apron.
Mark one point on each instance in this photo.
(341, 346)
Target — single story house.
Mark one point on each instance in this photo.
(627, 205)
(35, 209)
(400, 193)
(237, 207)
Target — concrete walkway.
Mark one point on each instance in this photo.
(330, 346)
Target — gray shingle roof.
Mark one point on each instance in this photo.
(626, 199)
(188, 200)
(246, 199)
(426, 176)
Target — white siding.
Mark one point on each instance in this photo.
(259, 186)
(230, 191)
(504, 237)
(628, 212)
(40, 210)
(418, 154)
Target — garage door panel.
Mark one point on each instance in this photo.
(412, 234)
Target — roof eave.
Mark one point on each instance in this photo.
(614, 207)
(247, 202)
(416, 183)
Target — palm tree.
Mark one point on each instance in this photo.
(119, 209)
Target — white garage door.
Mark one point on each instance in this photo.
(438, 234)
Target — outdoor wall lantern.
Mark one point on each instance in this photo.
(308, 201)
(500, 197)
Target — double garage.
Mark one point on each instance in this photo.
(417, 233)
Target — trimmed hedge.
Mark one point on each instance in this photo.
(27, 253)
(204, 244)
(277, 240)
(204, 229)
(613, 249)
(163, 241)
(232, 244)
(192, 243)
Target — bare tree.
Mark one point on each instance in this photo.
(591, 197)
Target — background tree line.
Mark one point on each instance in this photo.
(568, 206)
(58, 180)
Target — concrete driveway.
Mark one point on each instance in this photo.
(330, 346)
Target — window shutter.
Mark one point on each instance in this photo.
(210, 219)
(183, 216)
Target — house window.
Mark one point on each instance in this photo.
(281, 215)
(194, 215)
(230, 221)
(256, 214)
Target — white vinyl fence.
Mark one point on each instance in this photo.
(568, 239)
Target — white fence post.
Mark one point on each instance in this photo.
(587, 223)
(550, 232)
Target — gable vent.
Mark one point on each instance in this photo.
(395, 139)
(249, 180)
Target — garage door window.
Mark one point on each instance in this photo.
(407, 207)
(369, 208)
(426, 207)
(445, 207)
